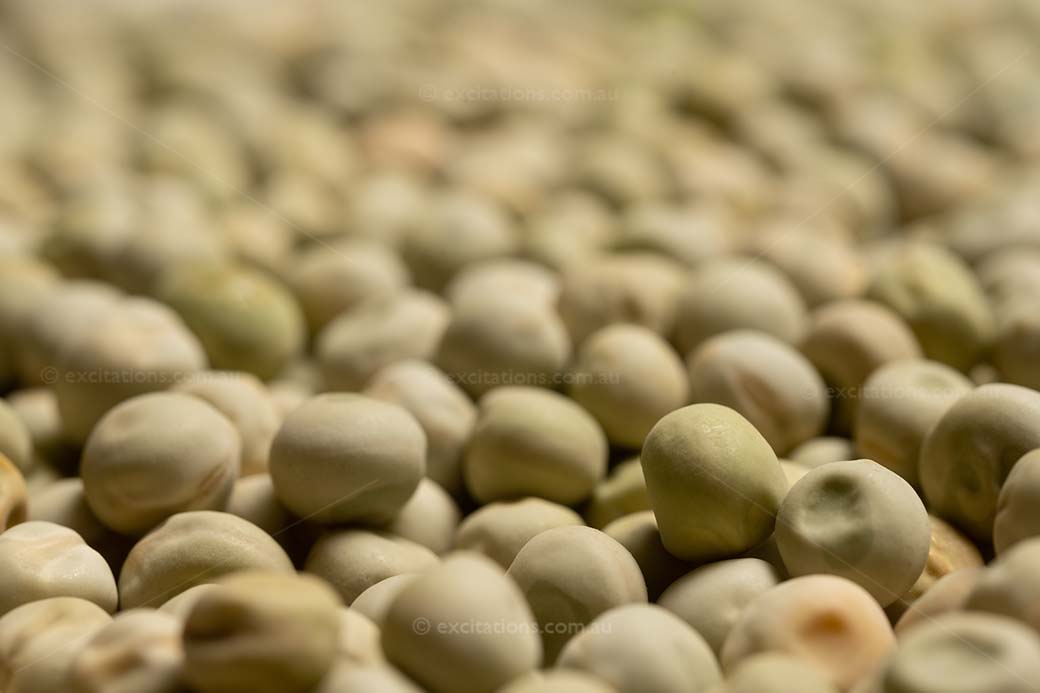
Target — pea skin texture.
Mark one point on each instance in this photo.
(768, 382)
(330, 473)
(149, 640)
(157, 455)
(969, 453)
(376, 333)
(261, 632)
(858, 520)
(1017, 515)
(619, 649)
(628, 377)
(965, 652)
(570, 575)
(439, 405)
(736, 294)
(143, 347)
(901, 402)
(500, 529)
(826, 620)
(639, 534)
(13, 493)
(847, 341)
(43, 559)
(503, 339)
(192, 548)
(623, 492)
(531, 442)
(267, 329)
(39, 641)
(712, 597)
(707, 456)
(464, 589)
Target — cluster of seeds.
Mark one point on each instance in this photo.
(429, 346)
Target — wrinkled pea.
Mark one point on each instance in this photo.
(139, 650)
(857, 520)
(64, 503)
(193, 548)
(39, 560)
(40, 641)
(136, 347)
(156, 455)
(261, 632)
